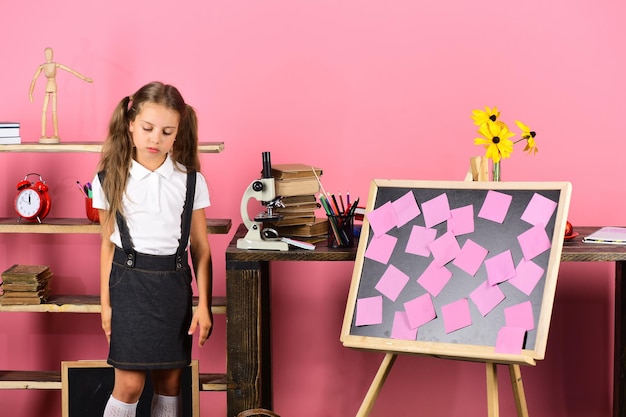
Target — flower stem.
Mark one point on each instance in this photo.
(496, 171)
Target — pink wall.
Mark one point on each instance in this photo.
(366, 89)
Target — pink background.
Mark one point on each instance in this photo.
(365, 89)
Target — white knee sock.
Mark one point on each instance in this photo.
(117, 408)
(166, 406)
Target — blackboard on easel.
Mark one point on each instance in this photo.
(87, 385)
(511, 223)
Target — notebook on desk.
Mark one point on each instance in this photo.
(609, 235)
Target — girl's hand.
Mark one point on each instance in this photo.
(105, 316)
(202, 319)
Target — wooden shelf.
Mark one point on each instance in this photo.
(52, 380)
(65, 225)
(206, 147)
(86, 304)
(30, 380)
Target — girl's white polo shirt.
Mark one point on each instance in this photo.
(153, 204)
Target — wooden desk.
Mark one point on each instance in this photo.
(248, 343)
(576, 251)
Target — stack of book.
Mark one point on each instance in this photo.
(297, 185)
(10, 133)
(25, 284)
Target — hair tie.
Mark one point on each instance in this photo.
(129, 104)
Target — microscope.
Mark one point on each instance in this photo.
(262, 190)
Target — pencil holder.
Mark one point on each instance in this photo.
(92, 213)
(340, 231)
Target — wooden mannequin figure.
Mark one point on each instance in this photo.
(49, 68)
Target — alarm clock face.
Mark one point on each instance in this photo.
(28, 203)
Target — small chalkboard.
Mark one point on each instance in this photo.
(87, 385)
(456, 269)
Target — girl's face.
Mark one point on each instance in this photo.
(154, 132)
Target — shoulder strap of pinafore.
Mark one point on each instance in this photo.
(127, 243)
(185, 220)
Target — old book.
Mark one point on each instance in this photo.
(26, 274)
(291, 215)
(24, 286)
(43, 293)
(300, 206)
(30, 279)
(304, 208)
(20, 301)
(290, 221)
(19, 270)
(296, 186)
(290, 171)
(295, 200)
(318, 227)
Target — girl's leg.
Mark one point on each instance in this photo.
(167, 401)
(116, 408)
(126, 392)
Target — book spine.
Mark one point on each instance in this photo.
(9, 131)
(16, 140)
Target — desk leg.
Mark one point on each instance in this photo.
(248, 336)
(619, 368)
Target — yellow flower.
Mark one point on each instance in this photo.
(496, 135)
(481, 117)
(496, 140)
(529, 136)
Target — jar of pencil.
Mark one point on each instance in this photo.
(340, 230)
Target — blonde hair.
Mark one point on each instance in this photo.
(118, 150)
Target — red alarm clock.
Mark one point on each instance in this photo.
(33, 201)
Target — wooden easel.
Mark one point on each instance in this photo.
(479, 171)
(492, 388)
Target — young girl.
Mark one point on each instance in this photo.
(151, 198)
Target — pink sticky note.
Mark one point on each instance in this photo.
(406, 208)
(495, 206)
(382, 219)
(487, 297)
(471, 257)
(527, 276)
(510, 340)
(520, 315)
(445, 248)
(539, 210)
(461, 220)
(434, 278)
(419, 240)
(369, 311)
(436, 210)
(534, 241)
(392, 282)
(380, 248)
(419, 311)
(456, 315)
(401, 329)
(500, 267)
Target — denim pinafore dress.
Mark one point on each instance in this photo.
(151, 301)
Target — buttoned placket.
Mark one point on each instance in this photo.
(154, 197)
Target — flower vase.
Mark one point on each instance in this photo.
(495, 172)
